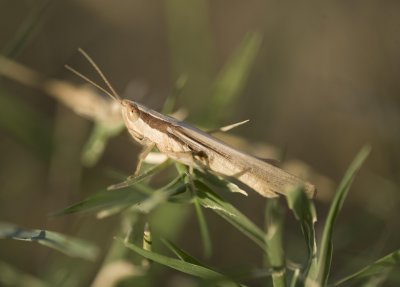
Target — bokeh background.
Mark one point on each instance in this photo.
(323, 81)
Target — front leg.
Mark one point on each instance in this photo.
(143, 154)
(147, 146)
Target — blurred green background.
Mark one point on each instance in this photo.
(317, 79)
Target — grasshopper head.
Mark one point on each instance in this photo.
(130, 112)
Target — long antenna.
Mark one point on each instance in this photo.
(101, 74)
(91, 82)
(112, 93)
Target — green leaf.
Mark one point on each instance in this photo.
(304, 211)
(204, 231)
(191, 47)
(106, 200)
(131, 180)
(210, 199)
(97, 141)
(295, 278)
(170, 102)
(274, 242)
(232, 78)
(180, 253)
(218, 182)
(182, 266)
(379, 267)
(68, 245)
(377, 280)
(160, 196)
(26, 30)
(319, 271)
(25, 124)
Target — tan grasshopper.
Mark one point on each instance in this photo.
(196, 148)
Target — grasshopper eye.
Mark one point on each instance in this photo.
(132, 113)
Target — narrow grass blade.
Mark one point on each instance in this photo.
(25, 124)
(191, 47)
(160, 196)
(68, 245)
(97, 141)
(205, 234)
(274, 241)
(380, 266)
(211, 200)
(131, 180)
(295, 278)
(204, 231)
(26, 29)
(232, 78)
(170, 103)
(304, 211)
(219, 182)
(181, 254)
(106, 200)
(319, 272)
(182, 266)
(376, 280)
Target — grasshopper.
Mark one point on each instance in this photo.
(196, 148)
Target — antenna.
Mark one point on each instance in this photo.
(112, 93)
(91, 82)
